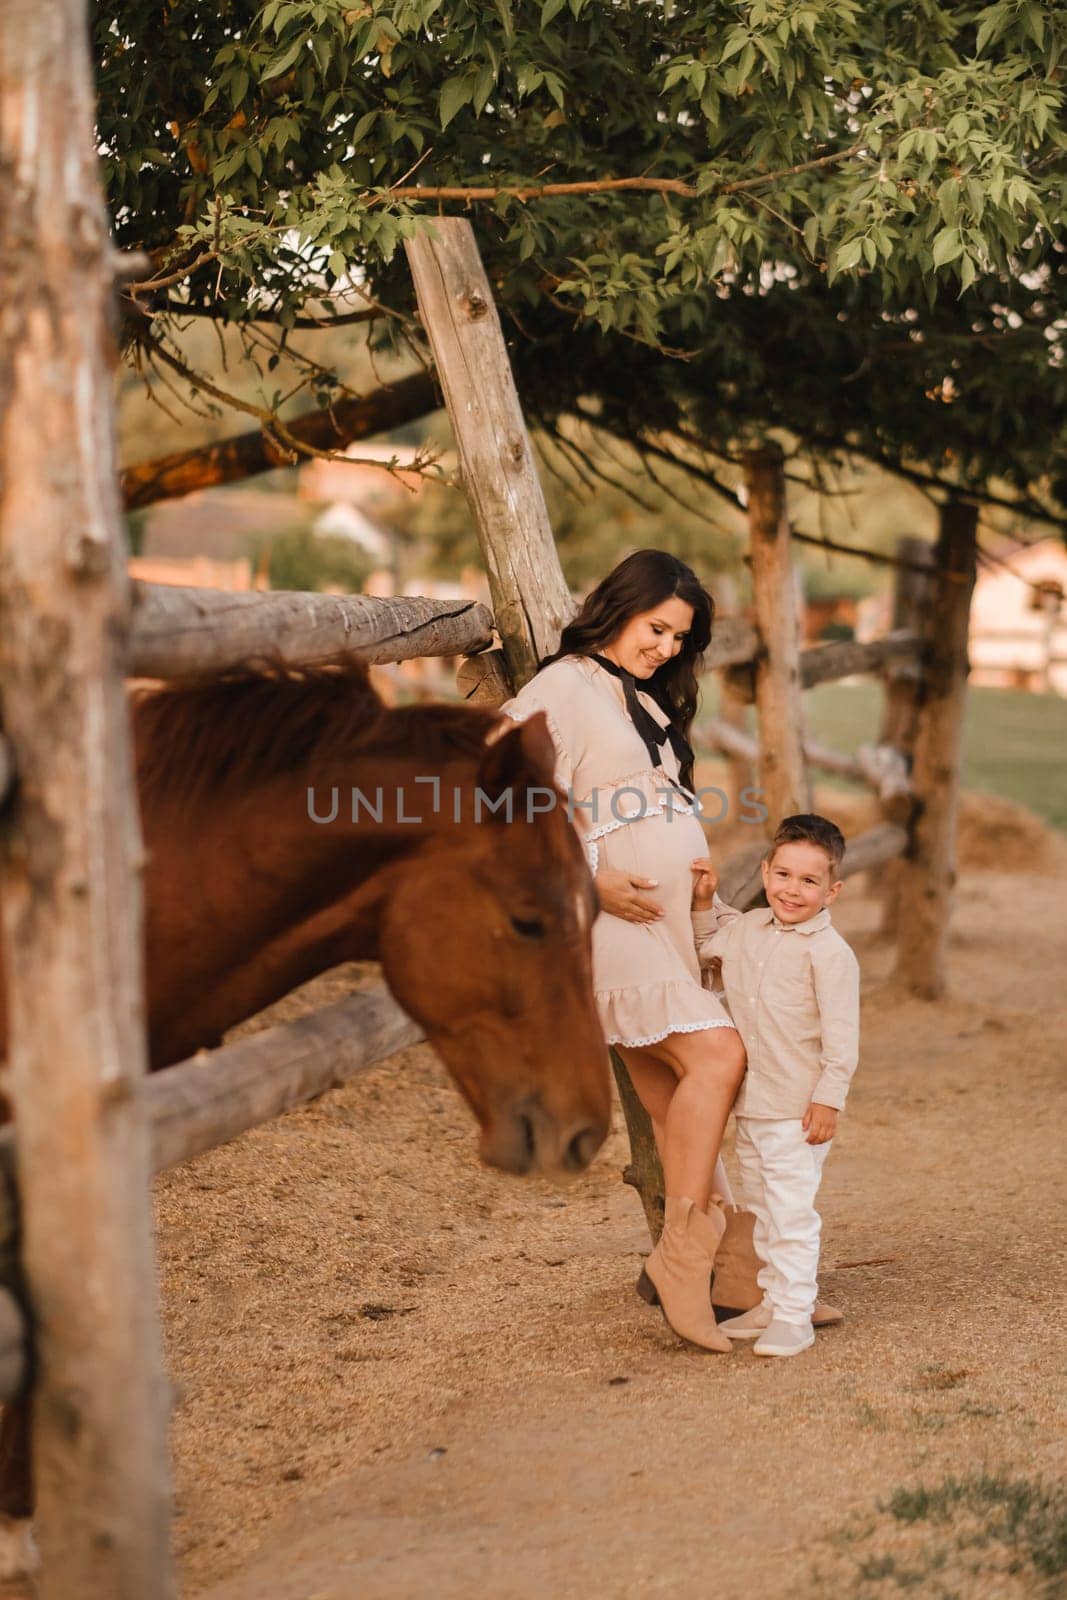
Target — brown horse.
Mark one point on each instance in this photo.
(293, 822)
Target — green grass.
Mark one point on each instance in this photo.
(944, 1540)
(1014, 744)
(1025, 1516)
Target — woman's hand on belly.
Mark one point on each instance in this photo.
(621, 894)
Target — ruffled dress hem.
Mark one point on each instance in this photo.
(638, 1016)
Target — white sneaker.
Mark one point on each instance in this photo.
(784, 1339)
(749, 1325)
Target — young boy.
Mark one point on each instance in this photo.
(792, 985)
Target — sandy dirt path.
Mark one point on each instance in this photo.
(400, 1375)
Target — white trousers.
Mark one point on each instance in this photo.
(780, 1176)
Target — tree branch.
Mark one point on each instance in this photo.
(542, 191)
(243, 455)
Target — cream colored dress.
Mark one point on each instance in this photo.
(646, 975)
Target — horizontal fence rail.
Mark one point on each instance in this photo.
(180, 633)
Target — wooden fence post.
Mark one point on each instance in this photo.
(783, 774)
(733, 706)
(929, 867)
(531, 601)
(530, 596)
(71, 915)
(912, 597)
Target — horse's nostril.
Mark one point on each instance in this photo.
(581, 1149)
(526, 1129)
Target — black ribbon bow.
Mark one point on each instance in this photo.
(653, 736)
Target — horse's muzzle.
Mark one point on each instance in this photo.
(523, 1137)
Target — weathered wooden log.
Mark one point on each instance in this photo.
(180, 633)
(643, 1172)
(483, 680)
(531, 602)
(912, 599)
(929, 870)
(824, 663)
(740, 880)
(218, 1094)
(880, 767)
(884, 842)
(71, 916)
(783, 775)
(244, 454)
(728, 739)
(733, 713)
(886, 770)
(734, 643)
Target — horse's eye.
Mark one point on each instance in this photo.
(529, 927)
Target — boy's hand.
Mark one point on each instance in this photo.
(705, 883)
(820, 1123)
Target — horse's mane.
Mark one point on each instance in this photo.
(196, 739)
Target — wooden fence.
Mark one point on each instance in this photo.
(78, 1074)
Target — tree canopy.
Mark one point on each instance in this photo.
(713, 217)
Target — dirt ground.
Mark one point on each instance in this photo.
(399, 1375)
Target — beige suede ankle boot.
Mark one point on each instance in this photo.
(677, 1272)
(734, 1287)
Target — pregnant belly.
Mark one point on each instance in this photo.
(660, 846)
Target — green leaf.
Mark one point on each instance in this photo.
(948, 245)
(455, 94)
(364, 126)
(948, 198)
(848, 255)
(483, 87)
(284, 61)
(811, 235)
(549, 11)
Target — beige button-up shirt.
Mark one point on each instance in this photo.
(793, 993)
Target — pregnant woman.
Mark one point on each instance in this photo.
(620, 695)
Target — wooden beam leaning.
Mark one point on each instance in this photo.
(880, 766)
(144, 483)
(185, 633)
(71, 913)
(783, 775)
(531, 602)
(929, 870)
(218, 1094)
(824, 663)
(912, 598)
(734, 643)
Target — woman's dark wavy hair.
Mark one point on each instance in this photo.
(640, 583)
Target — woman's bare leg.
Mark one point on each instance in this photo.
(654, 1083)
(706, 1068)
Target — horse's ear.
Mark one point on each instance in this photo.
(522, 757)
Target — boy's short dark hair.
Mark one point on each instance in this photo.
(809, 828)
